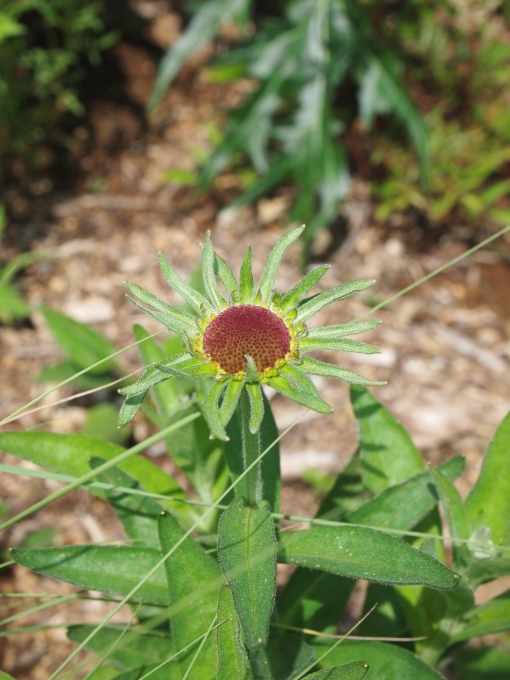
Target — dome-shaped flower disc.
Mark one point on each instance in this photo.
(246, 330)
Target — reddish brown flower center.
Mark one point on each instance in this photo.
(246, 330)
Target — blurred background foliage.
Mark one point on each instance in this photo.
(411, 95)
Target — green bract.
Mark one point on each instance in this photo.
(248, 335)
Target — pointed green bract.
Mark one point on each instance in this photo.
(232, 660)
(340, 330)
(130, 408)
(310, 344)
(211, 410)
(315, 304)
(273, 262)
(230, 400)
(209, 275)
(316, 367)
(195, 299)
(256, 406)
(246, 284)
(247, 554)
(189, 367)
(226, 275)
(298, 292)
(174, 318)
(292, 390)
(152, 376)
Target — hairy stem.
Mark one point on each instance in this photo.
(251, 451)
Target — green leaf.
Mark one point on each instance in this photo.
(69, 454)
(137, 647)
(315, 367)
(356, 670)
(232, 660)
(5, 676)
(225, 274)
(341, 329)
(482, 663)
(311, 344)
(181, 364)
(489, 500)
(112, 570)
(487, 619)
(209, 275)
(388, 456)
(12, 305)
(270, 464)
(387, 662)
(81, 344)
(247, 553)
(192, 296)
(284, 658)
(64, 370)
(357, 552)
(174, 319)
(138, 514)
(405, 504)
(211, 411)
(193, 581)
(256, 406)
(292, 299)
(268, 277)
(316, 303)
(294, 384)
(246, 283)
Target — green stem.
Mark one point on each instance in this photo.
(251, 451)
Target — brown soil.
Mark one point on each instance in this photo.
(446, 347)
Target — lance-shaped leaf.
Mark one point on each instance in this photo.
(284, 658)
(340, 330)
(268, 277)
(357, 552)
(226, 275)
(298, 292)
(232, 660)
(211, 411)
(175, 319)
(315, 367)
(405, 504)
(230, 400)
(387, 662)
(247, 553)
(208, 274)
(485, 570)
(310, 344)
(114, 570)
(246, 283)
(487, 619)
(130, 408)
(193, 580)
(489, 500)
(316, 303)
(388, 455)
(356, 670)
(296, 385)
(256, 406)
(192, 296)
